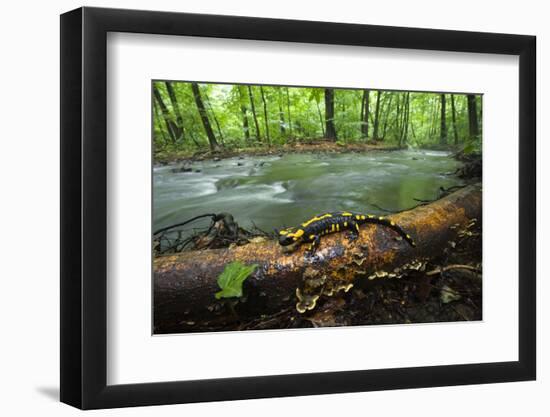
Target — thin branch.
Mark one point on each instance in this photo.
(164, 229)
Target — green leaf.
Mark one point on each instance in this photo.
(231, 279)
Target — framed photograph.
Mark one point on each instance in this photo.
(256, 208)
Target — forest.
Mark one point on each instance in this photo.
(190, 117)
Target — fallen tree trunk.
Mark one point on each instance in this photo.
(185, 283)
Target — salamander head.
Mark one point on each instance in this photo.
(290, 236)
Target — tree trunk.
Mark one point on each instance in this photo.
(453, 111)
(266, 120)
(180, 133)
(398, 115)
(321, 121)
(362, 114)
(365, 114)
(253, 107)
(405, 122)
(480, 118)
(193, 138)
(431, 118)
(185, 284)
(472, 117)
(159, 120)
(282, 128)
(376, 116)
(288, 110)
(204, 117)
(330, 130)
(408, 122)
(402, 117)
(435, 111)
(387, 116)
(443, 128)
(246, 128)
(170, 125)
(214, 117)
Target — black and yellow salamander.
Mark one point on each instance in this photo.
(312, 230)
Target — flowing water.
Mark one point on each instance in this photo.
(272, 192)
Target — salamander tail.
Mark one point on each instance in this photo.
(388, 223)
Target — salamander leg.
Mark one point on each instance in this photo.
(353, 231)
(313, 245)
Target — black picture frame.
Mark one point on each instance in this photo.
(84, 207)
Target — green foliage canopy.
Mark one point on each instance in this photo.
(238, 118)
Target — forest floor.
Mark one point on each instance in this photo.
(314, 146)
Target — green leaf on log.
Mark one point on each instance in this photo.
(232, 278)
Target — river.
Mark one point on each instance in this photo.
(272, 192)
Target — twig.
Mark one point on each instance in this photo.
(262, 232)
(380, 208)
(164, 229)
(450, 189)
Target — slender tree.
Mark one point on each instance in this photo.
(430, 113)
(443, 128)
(204, 116)
(434, 116)
(398, 117)
(329, 114)
(472, 117)
(404, 125)
(387, 116)
(194, 139)
(179, 133)
(376, 116)
(365, 114)
(170, 125)
(281, 113)
(453, 112)
(321, 120)
(158, 123)
(220, 134)
(266, 119)
(246, 128)
(362, 113)
(407, 118)
(254, 116)
(288, 111)
(479, 116)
